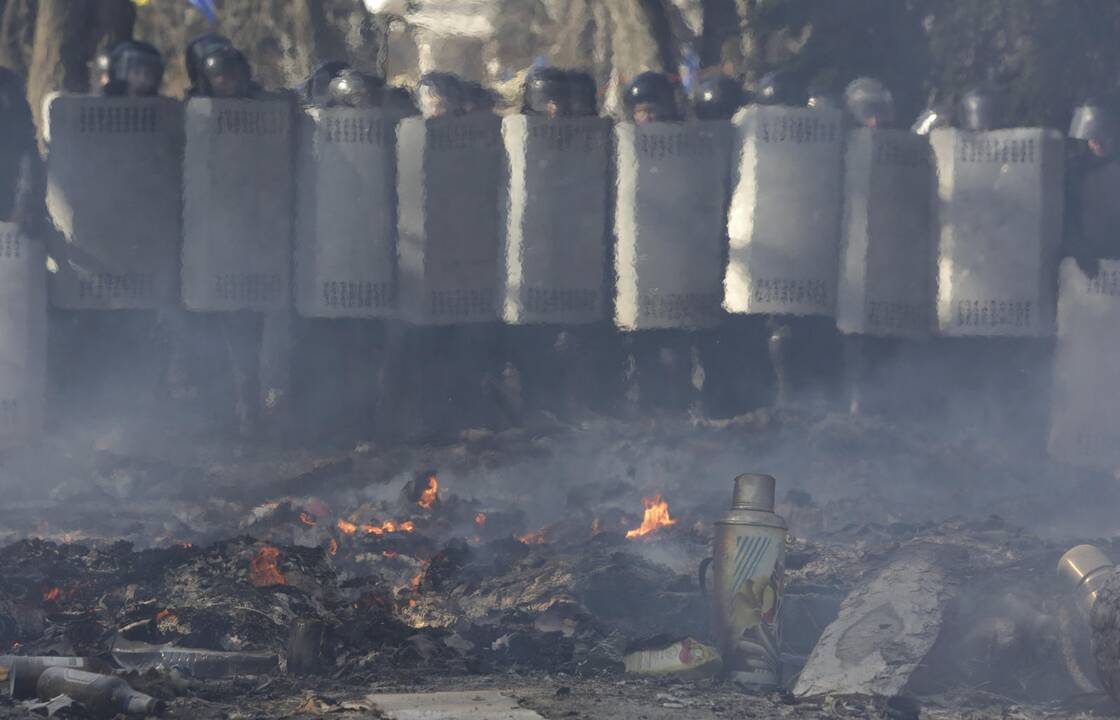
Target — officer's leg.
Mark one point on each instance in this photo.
(779, 342)
(856, 369)
(242, 333)
(275, 366)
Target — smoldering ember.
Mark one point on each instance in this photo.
(559, 358)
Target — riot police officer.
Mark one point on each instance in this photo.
(780, 87)
(354, 89)
(803, 351)
(226, 74)
(932, 118)
(440, 94)
(717, 98)
(99, 74)
(649, 98)
(399, 100)
(824, 92)
(1093, 182)
(22, 184)
(582, 94)
(477, 99)
(316, 88)
(135, 69)
(547, 92)
(869, 103)
(258, 345)
(981, 108)
(197, 49)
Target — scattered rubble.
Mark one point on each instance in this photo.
(884, 630)
(359, 571)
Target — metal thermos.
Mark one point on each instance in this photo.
(1084, 569)
(23, 671)
(103, 695)
(748, 560)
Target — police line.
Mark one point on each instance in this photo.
(245, 205)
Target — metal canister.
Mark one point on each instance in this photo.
(1084, 569)
(748, 559)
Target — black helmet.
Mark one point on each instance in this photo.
(583, 96)
(440, 93)
(99, 73)
(981, 108)
(1092, 120)
(351, 88)
(135, 68)
(477, 99)
(824, 91)
(652, 88)
(932, 118)
(315, 88)
(197, 50)
(869, 102)
(546, 86)
(717, 98)
(781, 87)
(399, 100)
(225, 72)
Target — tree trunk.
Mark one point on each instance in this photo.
(17, 33)
(67, 34)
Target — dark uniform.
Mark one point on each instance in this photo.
(804, 352)
(338, 363)
(868, 104)
(997, 384)
(135, 70)
(1092, 188)
(257, 346)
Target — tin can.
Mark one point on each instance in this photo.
(748, 562)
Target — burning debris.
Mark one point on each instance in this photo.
(392, 582)
(656, 516)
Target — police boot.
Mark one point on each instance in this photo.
(779, 360)
(855, 371)
(697, 378)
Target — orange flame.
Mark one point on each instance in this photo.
(389, 527)
(348, 528)
(52, 595)
(414, 583)
(390, 554)
(535, 537)
(429, 496)
(332, 549)
(167, 615)
(307, 519)
(656, 516)
(596, 526)
(480, 519)
(263, 570)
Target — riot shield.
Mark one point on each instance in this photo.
(669, 224)
(449, 171)
(346, 228)
(784, 220)
(555, 219)
(1085, 410)
(999, 215)
(237, 204)
(23, 335)
(886, 277)
(114, 183)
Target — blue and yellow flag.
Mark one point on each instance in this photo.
(206, 7)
